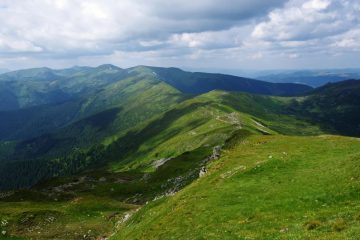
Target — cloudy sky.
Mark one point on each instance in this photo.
(231, 34)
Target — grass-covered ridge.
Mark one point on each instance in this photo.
(148, 125)
(206, 120)
(264, 187)
(157, 157)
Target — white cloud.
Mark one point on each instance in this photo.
(257, 55)
(293, 55)
(13, 45)
(316, 5)
(94, 25)
(312, 19)
(349, 40)
(163, 32)
(310, 27)
(229, 38)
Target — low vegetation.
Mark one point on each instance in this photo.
(263, 187)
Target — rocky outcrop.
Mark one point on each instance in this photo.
(203, 171)
(157, 163)
(214, 156)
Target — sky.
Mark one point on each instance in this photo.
(193, 34)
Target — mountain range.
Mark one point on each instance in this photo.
(314, 78)
(158, 153)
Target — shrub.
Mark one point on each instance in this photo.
(310, 225)
(339, 225)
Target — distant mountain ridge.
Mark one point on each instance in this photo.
(314, 78)
(39, 86)
(198, 82)
(335, 106)
(4, 70)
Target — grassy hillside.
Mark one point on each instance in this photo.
(39, 86)
(206, 120)
(121, 158)
(90, 205)
(334, 106)
(133, 101)
(80, 145)
(104, 195)
(263, 187)
(85, 217)
(136, 97)
(42, 100)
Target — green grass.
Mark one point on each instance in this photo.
(93, 202)
(205, 120)
(267, 199)
(90, 216)
(264, 187)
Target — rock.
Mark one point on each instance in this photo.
(102, 179)
(126, 217)
(214, 156)
(4, 223)
(202, 172)
(216, 153)
(6, 194)
(157, 163)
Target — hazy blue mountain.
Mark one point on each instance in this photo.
(314, 78)
(4, 70)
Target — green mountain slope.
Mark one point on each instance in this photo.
(334, 106)
(65, 151)
(39, 86)
(139, 153)
(208, 119)
(198, 82)
(272, 187)
(156, 158)
(34, 121)
(203, 120)
(141, 101)
(131, 92)
(42, 100)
